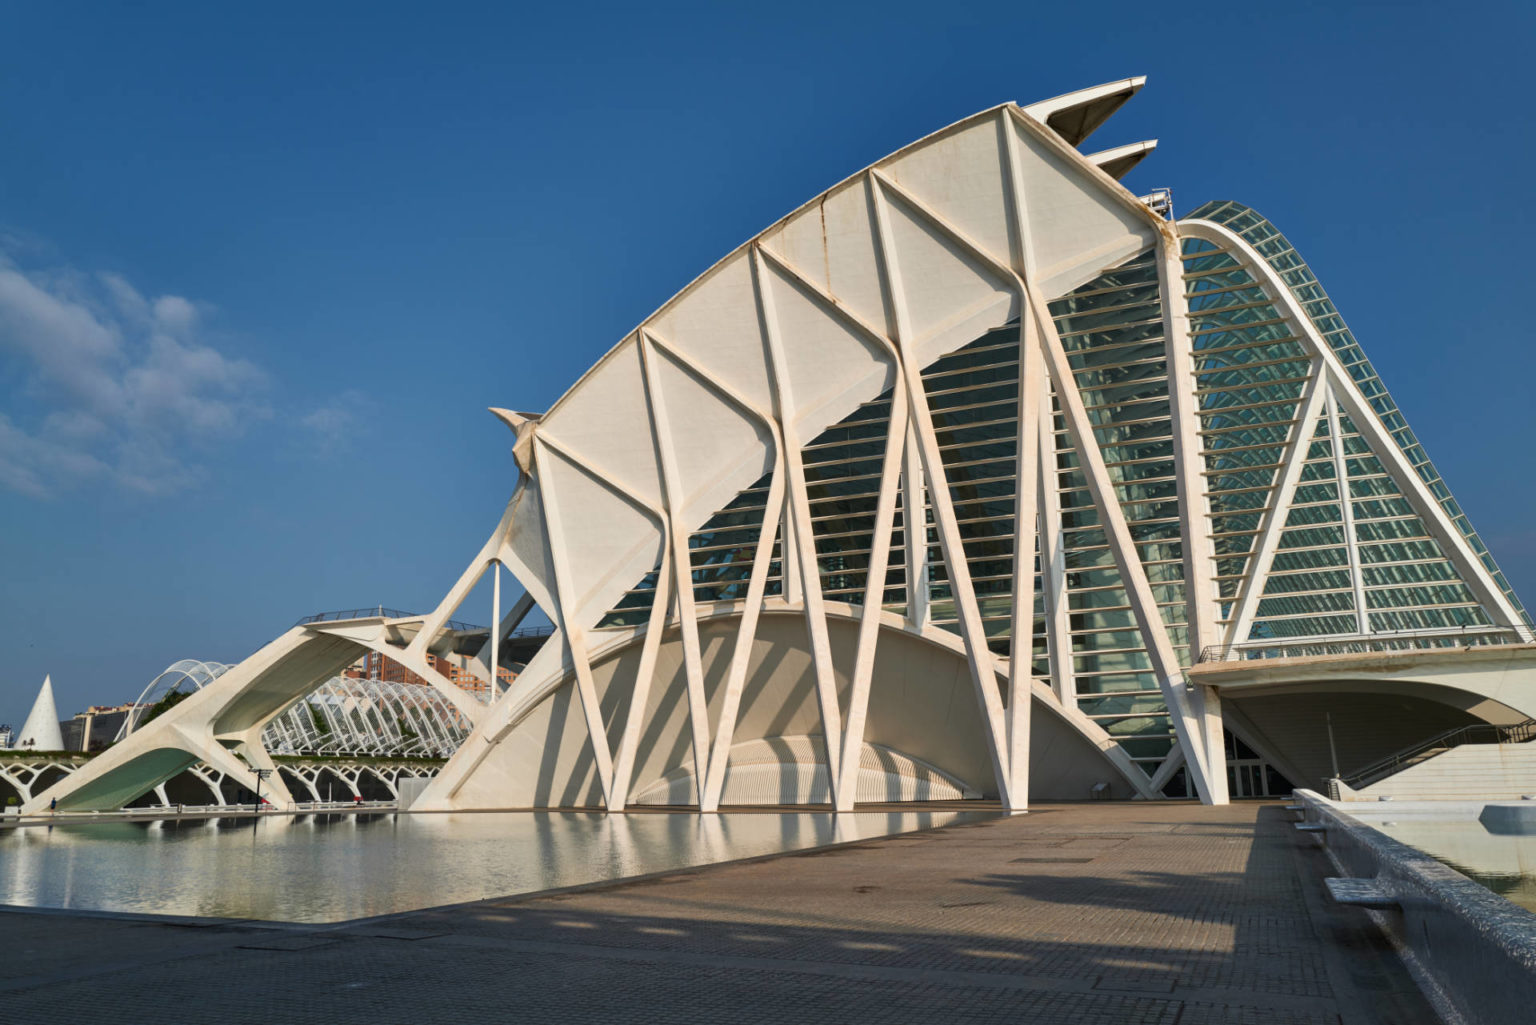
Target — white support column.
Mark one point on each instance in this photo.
(1194, 504)
(757, 581)
(914, 526)
(640, 690)
(1347, 512)
(572, 633)
(1165, 664)
(1026, 511)
(874, 595)
(1201, 596)
(1080, 430)
(1028, 520)
(952, 544)
(1262, 557)
(741, 654)
(490, 692)
(1053, 565)
(800, 526)
(515, 615)
(673, 499)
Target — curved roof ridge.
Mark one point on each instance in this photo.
(1021, 114)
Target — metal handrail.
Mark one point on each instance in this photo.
(1473, 733)
(380, 612)
(1404, 640)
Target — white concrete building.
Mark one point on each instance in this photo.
(776, 526)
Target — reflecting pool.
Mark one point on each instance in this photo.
(1504, 864)
(331, 868)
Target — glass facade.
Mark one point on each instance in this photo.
(1278, 252)
(1251, 375)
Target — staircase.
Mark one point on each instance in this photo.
(1467, 763)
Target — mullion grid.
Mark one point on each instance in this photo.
(1383, 521)
(1249, 376)
(1317, 595)
(1309, 294)
(1119, 365)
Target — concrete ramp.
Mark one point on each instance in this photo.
(219, 725)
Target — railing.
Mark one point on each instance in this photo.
(380, 612)
(1161, 202)
(1476, 733)
(1362, 644)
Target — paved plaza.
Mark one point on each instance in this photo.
(1121, 914)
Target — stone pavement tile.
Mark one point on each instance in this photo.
(378, 987)
(1184, 914)
(36, 944)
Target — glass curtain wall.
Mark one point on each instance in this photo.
(1251, 373)
(1112, 331)
(1278, 252)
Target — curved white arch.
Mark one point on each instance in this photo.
(1335, 381)
(523, 745)
(851, 295)
(367, 717)
(183, 672)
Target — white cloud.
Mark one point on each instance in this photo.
(122, 387)
(333, 426)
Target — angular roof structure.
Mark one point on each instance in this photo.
(941, 484)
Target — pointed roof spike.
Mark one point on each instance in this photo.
(506, 416)
(1074, 116)
(1118, 162)
(522, 425)
(41, 730)
(514, 419)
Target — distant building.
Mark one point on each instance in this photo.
(96, 728)
(374, 666)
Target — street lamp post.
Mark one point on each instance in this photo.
(261, 774)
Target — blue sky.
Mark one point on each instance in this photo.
(262, 268)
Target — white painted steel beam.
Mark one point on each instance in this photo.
(1347, 511)
(798, 519)
(1353, 402)
(1262, 556)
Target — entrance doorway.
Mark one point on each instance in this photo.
(1249, 775)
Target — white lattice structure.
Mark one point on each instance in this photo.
(351, 716)
(184, 676)
(345, 715)
(936, 486)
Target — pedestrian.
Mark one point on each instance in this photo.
(53, 805)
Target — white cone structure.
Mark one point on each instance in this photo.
(41, 731)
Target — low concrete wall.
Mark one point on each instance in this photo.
(410, 788)
(1472, 951)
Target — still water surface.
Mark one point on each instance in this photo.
(1504, 864)
(331, 868)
